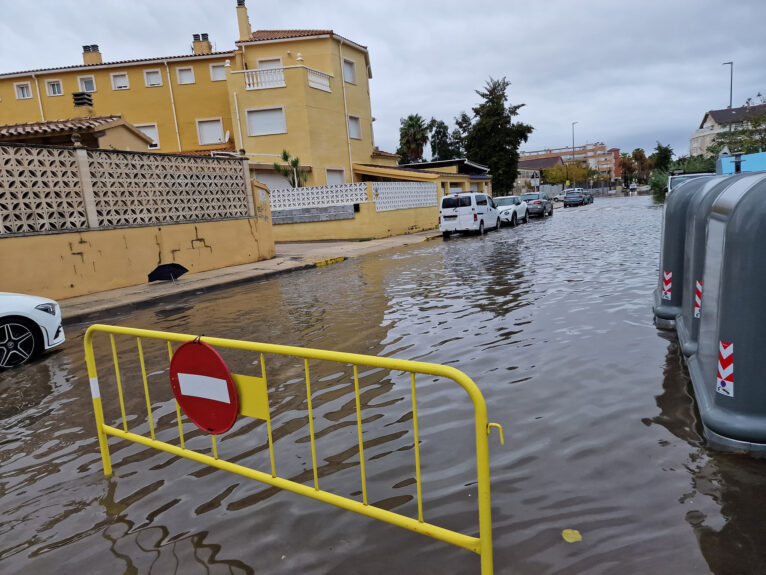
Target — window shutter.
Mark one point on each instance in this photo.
(210, 131)
(263, 122)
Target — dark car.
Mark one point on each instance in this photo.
(538, 204)
(577, 197)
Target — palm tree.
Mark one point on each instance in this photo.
(292, 171)
(413, 136)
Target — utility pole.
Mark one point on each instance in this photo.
(573, 125)
(731, 80)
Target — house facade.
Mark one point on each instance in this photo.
(716, 121)
(304, 91)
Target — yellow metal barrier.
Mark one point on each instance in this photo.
(254, 403)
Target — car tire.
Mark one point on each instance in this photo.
(20, 342)
(481, 228)
(551, 214)
(513, 220)
(445, 235)
(526, 217)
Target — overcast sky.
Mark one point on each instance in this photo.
(630, 73)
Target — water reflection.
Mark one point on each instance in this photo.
(726, 497)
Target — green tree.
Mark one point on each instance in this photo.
(413, 136)
(493, 138)
(748, 138)
(463, 124)
(641, 163)
(292, 171)
(442, 145)
(661, 158)
(628, 167)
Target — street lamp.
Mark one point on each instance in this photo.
(731, 79)
(573, 125)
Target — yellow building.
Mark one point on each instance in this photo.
(305, 91)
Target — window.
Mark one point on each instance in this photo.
(349, 71)
(210, 131)
(217, 72)
(354, 128)
(23, 91)
(152, 78)
(151, 131)
(185, 75)
(481, 200)
(87, 83)
(335, 176)
(53, 87)
(120, 81)
(266, 121)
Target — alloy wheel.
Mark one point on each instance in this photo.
(17, 344)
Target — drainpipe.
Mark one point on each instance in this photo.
(345, 110)
(239, 124)
(173, 105)
(39, 100)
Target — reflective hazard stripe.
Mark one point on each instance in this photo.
(94, 391)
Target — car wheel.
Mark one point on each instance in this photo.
(481, 228)
(526, 217)
(445, 235)
(551, 211)
(19, 342)
(513, 220)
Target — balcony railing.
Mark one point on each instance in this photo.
(275, 78)
(265, 79)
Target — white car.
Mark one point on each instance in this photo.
(467, 212)
(512, 210)
(29, 325)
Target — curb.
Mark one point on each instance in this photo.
(95, 313)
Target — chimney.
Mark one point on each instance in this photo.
(243, 21)
(201, 44)
(91, 55)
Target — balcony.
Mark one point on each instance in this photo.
(275, 78)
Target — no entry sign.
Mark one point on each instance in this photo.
(203, 387)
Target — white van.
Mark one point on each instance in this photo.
(469, 212)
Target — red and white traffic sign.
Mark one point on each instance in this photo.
(204, 387)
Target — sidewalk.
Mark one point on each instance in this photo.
(290, 257)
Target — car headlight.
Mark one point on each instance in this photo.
(47, 308)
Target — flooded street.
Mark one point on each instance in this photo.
(551, 319)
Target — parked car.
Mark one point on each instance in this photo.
(468, 212)
(560, 196)
(512, 209)
(577, 197)
(538, 203)
(29, 325)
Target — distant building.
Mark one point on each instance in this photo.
(596, 156)
(530, 170)
(716, 121)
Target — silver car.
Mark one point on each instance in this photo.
(538, 204)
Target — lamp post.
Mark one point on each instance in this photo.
(731, 79)
(573, 125)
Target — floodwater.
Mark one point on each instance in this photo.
(551, 319)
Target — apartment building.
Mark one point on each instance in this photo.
(596, 156)
(304, 91)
